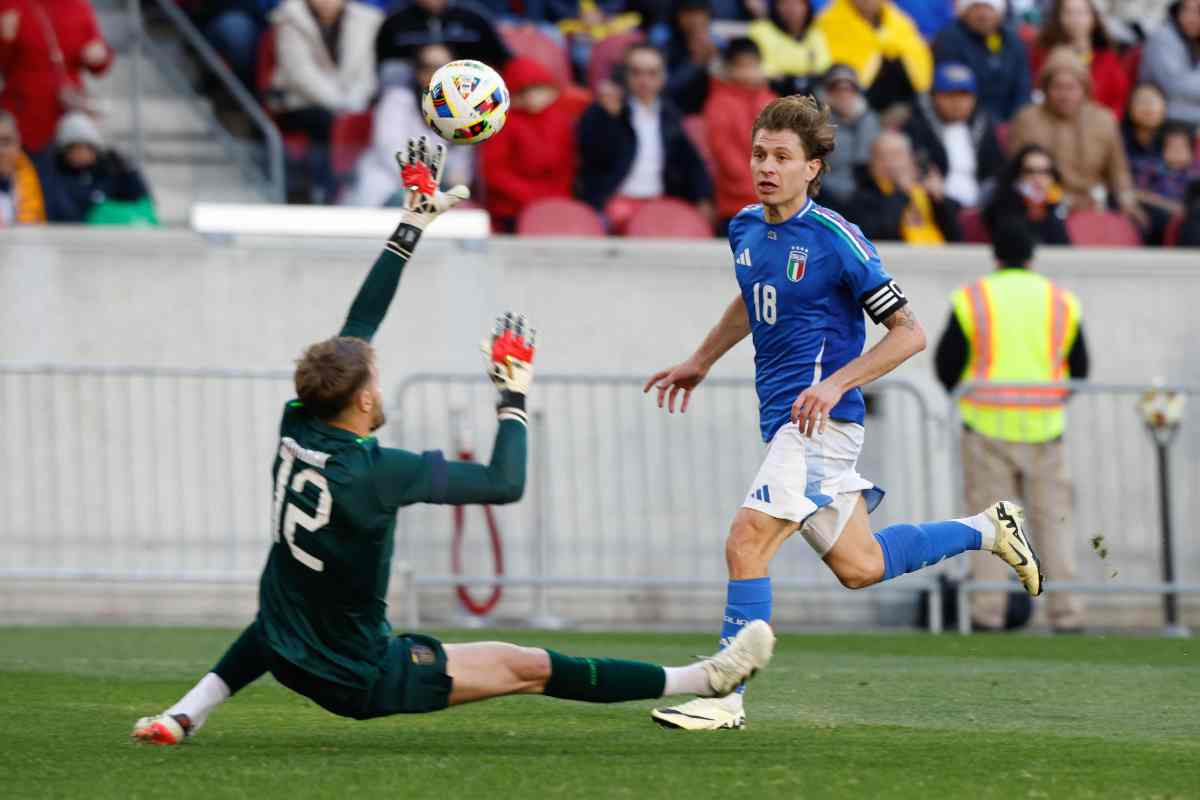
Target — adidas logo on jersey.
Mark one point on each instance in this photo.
(744, 259)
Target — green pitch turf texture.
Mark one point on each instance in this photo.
(904, 716)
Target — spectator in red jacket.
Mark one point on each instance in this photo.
(45, 45)
(733, 104)
(535, 156)
(1077, 25)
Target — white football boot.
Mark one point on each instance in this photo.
(1013, 546)
(162, 729)
(749, 652)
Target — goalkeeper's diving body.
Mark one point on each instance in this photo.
(806, 276)
(321, 629)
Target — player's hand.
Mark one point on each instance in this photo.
(812, 407)
(670, 382)
(421, 172)
(508, 354)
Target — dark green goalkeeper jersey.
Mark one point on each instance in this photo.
(322, 597)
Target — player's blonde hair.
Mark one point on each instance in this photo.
(809, 119)
(330, 373)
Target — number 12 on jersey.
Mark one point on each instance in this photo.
(764, 303)
(293, 515)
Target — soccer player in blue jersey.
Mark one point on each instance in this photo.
(805, 277)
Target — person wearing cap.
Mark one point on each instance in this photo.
(980, 39)
(951, 134)
(884, 47)
(20, 188)
(1018, 327)
(1081, 135)
(898, 201)
(84, 174)
(857, 128)
(794, 50)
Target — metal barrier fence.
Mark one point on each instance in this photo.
(140, 475)
(624, 497)
(1111, 456)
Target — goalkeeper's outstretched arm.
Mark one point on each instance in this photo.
(404, 478)
(420, 170)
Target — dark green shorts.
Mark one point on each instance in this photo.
(413, 680)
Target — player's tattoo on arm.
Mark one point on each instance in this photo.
(903, 318)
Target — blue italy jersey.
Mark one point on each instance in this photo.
(806, 283)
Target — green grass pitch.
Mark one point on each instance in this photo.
(835, 716)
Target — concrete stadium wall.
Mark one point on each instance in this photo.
(170, 298)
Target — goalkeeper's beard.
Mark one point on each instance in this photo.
(378, 418)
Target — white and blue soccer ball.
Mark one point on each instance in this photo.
(466, 102)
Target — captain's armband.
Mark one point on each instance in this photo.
(883, 301)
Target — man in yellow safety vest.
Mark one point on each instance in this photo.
(1015, 326)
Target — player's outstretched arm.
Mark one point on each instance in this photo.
(733, 326)
(421, 171)
(405, 478)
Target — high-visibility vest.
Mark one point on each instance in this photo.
(1020, 327)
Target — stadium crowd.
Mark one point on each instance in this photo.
(1078, 117)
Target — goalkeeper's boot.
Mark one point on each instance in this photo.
(1012, 545)
(749, 652)
(162, 729)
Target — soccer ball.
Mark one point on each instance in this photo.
(466, 102)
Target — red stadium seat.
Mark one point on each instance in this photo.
(973, 229)
(607, 53)
(1171, 233)
(351, 135)
(697, 131)
(559, 216)
(667, 217)
(1102, 229)
(295, 143)
(527, 40)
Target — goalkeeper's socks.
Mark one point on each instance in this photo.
(197, 704)
(745, 601)
(603, 680)
(908, 548)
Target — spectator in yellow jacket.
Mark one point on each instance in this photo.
(794, 52)
(20, 190)
(883, 45)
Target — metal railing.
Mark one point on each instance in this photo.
(150, 475)
(623, 496)
(1121, 536)
(271, 175)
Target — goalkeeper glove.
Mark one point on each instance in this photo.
(421, 173)
(508, 357)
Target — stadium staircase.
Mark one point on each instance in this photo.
(185, 156)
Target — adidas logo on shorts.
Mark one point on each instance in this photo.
(762, 493)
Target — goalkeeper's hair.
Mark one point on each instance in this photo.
(330, 373)
(809, 118)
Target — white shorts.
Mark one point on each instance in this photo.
(814, 482)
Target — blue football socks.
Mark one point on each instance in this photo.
(745, 601)
(908, 548)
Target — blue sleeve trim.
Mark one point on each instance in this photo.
(438, 478)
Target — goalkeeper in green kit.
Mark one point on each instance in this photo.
(322, 628)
